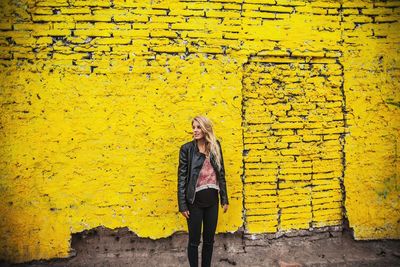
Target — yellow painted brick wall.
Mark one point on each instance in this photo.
(372, 69)
(293, 143)
(96, 97)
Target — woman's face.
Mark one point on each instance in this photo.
(197, 132)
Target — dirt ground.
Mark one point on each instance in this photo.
(120, 247)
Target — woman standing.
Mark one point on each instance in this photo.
(201, 176)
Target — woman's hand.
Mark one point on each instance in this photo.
(186, 214)
(225, 207)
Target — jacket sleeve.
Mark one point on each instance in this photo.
(223, 191)
(182, 178)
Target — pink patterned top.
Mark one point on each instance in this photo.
(207, 177)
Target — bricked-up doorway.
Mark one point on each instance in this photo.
(293, 131)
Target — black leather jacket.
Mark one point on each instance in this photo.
(190, 162)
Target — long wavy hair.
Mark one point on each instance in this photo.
(211, 141)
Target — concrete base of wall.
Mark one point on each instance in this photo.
(120, 247)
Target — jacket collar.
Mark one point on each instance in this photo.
(197, 151)
(196, 148)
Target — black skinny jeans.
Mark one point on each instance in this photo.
(208, 217)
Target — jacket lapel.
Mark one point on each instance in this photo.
(197, 158)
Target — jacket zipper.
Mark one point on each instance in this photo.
(194, 195)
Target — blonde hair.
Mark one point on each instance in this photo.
(211, 141)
